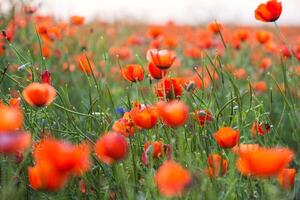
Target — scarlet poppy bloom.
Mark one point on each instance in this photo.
(265, 63)
(226, 137)
(174, 113)
(14, 142)
(86, 65)
(263, 162)
(65, 157)
(170, 41)
(124, 126)
(286, 178)
(263, 36)
(203, 116)
(111, 147)
(144, 116)
(163, 59)
(172, 179)
(11, 118)
(46, 77)
(260, 86)
(77, 20)
(55, 162)
(39, 94)
(268, 12)
(260, 128)
(133, 73)
(155, 72)
(171, 86)
(215, 27)
(217, 166)
(242, 35)
(155, 31)
(43, 176)
(156, 149)
(192, 52)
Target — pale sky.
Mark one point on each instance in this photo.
(181, 11)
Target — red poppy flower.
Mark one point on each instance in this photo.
(124, 126)
(11, 118)
(263, 162)
(133, 73)
(39, 94)
(163, 59)
(174, 113)
(286, 178)
(268, 12)
(217, 166)
(156, 72)
(226, 137)
(172, 179)
(171, 86)
(111, 147)
(203, 116)
(144, 116)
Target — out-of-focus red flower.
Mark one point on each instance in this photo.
(124, 126)
(111, 147)
(156, 72)
(11, 118)
(86, 65)
(217, 166)
(133, 72)
(156, 149)
(56, 161)
(286, 178)
(77, 20)
(163, 59)
(226, 137)
(263, 162)
(39, 94)
(203, 116)
(172, 87)
(172, 179)
(174, 113)
(268, 12)
(144, 116)
(263, 36)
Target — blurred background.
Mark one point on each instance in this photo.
(240, 12)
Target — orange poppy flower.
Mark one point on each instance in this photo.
(260, 86)
(172, 179)
(263, 162)
(286, 178)
(144, 116)
(242, 35)
(155, 31)
(268, 12)
(263, 36)
(163, 59)
(14, 142)
(174, 113)
(56, 161)
(39, 94)
(155, 72)
(77, 20)
(215, 27)
(171, 86)
(156, 149)
(64, 156)
(124, 126)
(86, 65)
(240, 73)
(226, 137)
(217, 166)
(11, 118)
(193, 52)
(260, 128)
(265, 63)
(111, 147)
(203, 116)
(133, 73)
(43, 176)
